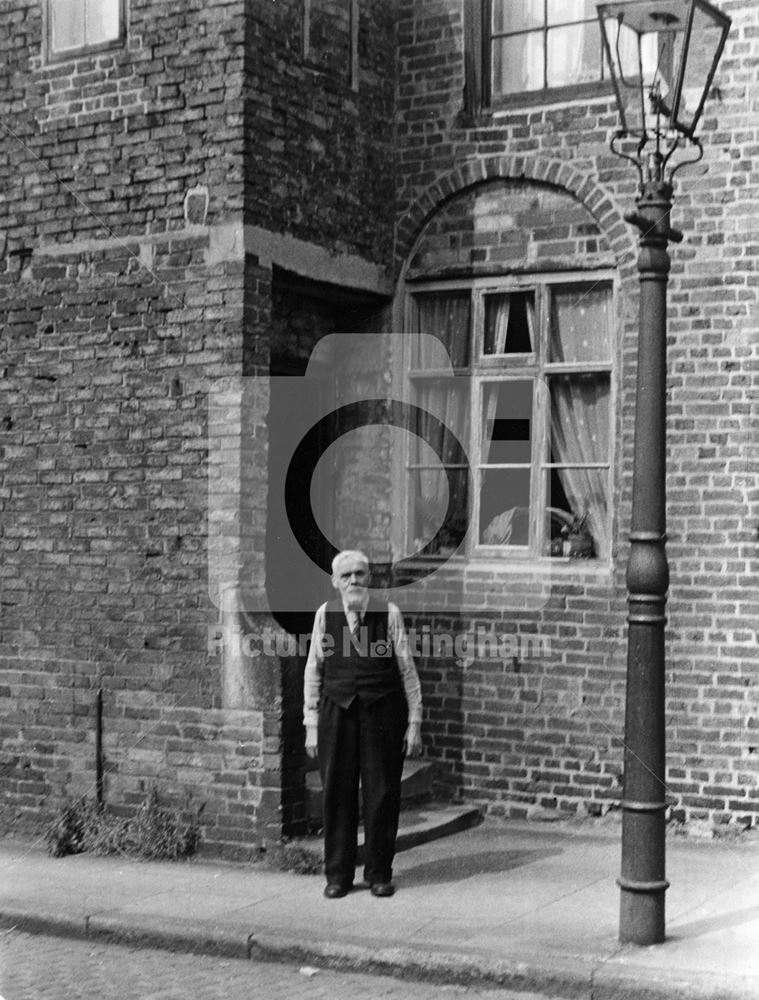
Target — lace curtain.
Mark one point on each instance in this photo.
(580, 405)
(446, 317)
(573, 50)
(580, 434)
(535, 45)
(579, 419)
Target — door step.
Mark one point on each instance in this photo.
(416, 787)
(419, 826)
(421, 819)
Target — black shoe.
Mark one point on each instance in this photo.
(336, 891)
(382, 889)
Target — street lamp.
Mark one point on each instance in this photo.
(662, 57)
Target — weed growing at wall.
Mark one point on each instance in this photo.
(156, 832)
(300, 857)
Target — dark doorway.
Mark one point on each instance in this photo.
(303, 312)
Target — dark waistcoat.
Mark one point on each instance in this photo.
(368, 668)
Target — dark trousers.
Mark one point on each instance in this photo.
(366, 742)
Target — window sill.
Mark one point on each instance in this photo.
(339, 79)
(489, 585)
(83, 51)
(552, 95)
(511, 563)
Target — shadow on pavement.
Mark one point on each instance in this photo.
(459, 867)
(717, 922)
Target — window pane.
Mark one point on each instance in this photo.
(446, 316)
(431, 491)
(509, 323)
(580, 322)
(558, 516)
(566, 11)
(578, 514)
(506, 439)
(579, 435)
(442, 419)
(580, 418)
(574, 55)
(438, 442)
(517, 15)
(66, 24)
(507, 423)
(102, 21)
(518, 63)
(505, 507)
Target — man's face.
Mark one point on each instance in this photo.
(352, 582)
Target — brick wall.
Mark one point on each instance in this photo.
(547, 731)
(130, 299)
(119, 309)
(321, 149)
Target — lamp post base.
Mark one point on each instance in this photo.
(641, 914)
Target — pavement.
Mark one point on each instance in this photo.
(528, 906)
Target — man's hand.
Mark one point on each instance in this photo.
(312, 741)
(412, 742)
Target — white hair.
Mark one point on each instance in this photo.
(347, 554)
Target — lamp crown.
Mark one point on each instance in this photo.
(661, 56)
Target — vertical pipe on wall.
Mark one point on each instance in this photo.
(99, 746)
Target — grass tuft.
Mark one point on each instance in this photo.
(156, 832)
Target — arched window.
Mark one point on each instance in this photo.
(527, 391)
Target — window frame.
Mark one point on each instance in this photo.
(485, 370)
(351, 75)
(483, 35)
(53, 55)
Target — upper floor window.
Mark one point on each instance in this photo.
(518, 47)
(537, 44)
(530, 402)
(330, 34)
(75, 26)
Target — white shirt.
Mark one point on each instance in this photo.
(314, 673)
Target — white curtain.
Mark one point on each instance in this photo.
(501, 324)
(580, 434)
(446, 317)
(102, 20)
(500, 332)
(451, 408)
(566, 46)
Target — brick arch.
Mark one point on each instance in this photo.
(555, 173)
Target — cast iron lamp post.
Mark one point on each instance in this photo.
(662, 57)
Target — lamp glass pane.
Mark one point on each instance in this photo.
(641, 61)
(704, 43)
(624, 57)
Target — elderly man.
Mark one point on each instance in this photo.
(362, 713)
